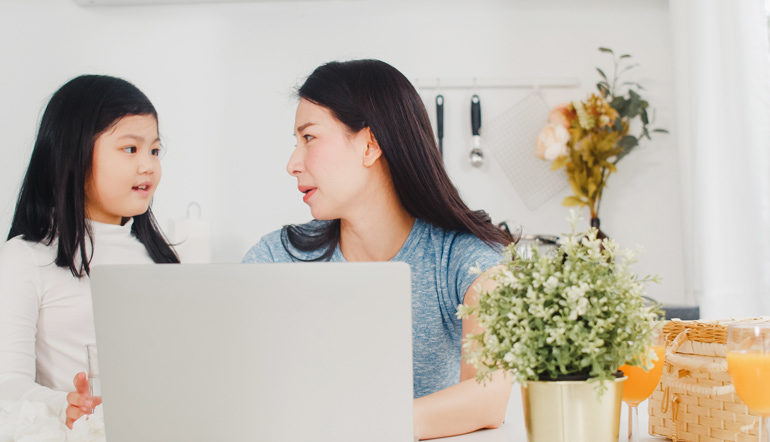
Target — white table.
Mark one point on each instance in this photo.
(513, 430)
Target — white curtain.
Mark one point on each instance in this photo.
(723, 132)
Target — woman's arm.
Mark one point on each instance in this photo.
(466, 406)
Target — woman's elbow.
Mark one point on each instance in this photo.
(498, 405)
(497, 415)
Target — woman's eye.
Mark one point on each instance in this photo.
(307, 137)
(131, 149)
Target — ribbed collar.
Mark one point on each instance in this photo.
(104, 231)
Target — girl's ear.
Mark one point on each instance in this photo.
(372, 152)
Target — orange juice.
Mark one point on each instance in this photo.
(750, 373)
(640, 383)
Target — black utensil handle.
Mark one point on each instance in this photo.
(440, 116)
(475, 114)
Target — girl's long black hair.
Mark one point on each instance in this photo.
(51, 203)
(374, 94)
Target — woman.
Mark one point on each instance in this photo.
(85, 200)
(367, 165)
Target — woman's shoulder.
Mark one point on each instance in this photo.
(263, 251)
(458, 250)
(272, 247)
(456, 241)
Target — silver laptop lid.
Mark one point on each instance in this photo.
(255, 352)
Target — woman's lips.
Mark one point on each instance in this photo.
(309, 193)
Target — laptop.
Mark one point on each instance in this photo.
(255, 352)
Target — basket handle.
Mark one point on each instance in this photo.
(683, 361)
(676, 380)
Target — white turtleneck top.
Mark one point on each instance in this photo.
(46, 316)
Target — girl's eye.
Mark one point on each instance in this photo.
(155, 151)
(131, 149)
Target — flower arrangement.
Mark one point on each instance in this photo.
(576, 312)
(588, 138)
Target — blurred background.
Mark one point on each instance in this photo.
(222, 76)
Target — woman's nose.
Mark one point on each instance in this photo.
(296, 163)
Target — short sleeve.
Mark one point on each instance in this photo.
(467, 253)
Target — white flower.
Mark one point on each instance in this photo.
(507, 278)
(552, 142)
(551, 284)
(591, 242)
(537, 310)
(538, 279)
(576, 292)
(582, 306)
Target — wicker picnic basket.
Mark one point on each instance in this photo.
(695, 399)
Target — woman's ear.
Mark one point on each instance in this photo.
(372, 152)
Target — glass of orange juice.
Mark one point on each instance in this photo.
(642, 382)
(748, 362)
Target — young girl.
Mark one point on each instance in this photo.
(84, 201)
(367, 165)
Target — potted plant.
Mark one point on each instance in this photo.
(562, 323)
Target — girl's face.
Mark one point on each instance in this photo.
(125, 170)
(329, 162)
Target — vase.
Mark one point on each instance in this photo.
(572, 411)
(595, 223)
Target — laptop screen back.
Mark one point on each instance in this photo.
(255, 352)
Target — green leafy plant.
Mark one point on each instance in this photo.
(577, 311)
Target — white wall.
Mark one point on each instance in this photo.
(222, 77)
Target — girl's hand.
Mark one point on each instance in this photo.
(80, 401)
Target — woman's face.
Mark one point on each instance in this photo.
(125, 170)
(328, 162)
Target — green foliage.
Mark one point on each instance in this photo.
(578, 311)
(626, 100)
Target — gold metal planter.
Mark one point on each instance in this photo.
(572, 411)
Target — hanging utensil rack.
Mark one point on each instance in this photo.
(440, 83)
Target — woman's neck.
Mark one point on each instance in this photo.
(377, 233)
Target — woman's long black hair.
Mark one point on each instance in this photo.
(374, 94)
(51, 202)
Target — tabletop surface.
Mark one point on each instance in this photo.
(513, 430)
(37, 420)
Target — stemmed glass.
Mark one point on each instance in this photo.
(94, 383)
(641, 383)
(748, 362)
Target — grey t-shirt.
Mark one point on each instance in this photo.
(440, 261)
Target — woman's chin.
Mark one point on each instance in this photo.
(322, 215)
